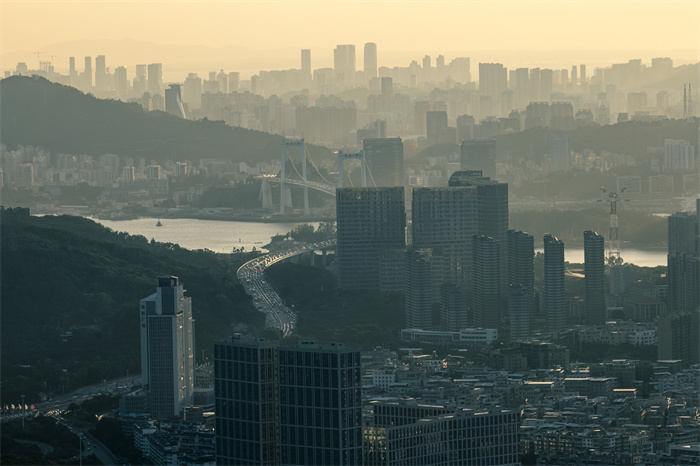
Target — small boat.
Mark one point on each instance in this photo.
(159, 224)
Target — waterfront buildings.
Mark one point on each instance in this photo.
(167, 348)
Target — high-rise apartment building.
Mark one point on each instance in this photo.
(485, 282)
(554, 289)
(478, 155)
(418, 289)
(192, 91)
(369, 221)
(560, 152)
(155, 78)
(320, 405)
(493, 80)
(445, 219)
(683, 262)
(437, 131)
(520, 253)
(121, 84)
(370, 59)
(454, 307)
(492, 211)
(384, 161)
(87, 75)
(679, 337)
(246, 391)
(344, 65)
(167, 348)
(306, 65)
(101, 77)
(594, 282)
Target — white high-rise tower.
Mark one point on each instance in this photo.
(167, 348)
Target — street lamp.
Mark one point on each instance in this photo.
(22, 407)
(80, 448)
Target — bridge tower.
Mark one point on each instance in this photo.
(293, 143)
(356, 155)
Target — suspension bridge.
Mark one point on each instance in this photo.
(301, 180)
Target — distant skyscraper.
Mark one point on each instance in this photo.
(246, 388)
(436, 125)
(492, 211)
(344, 65)
(478, 155)
(369, 221)
(320, 393)
(594, 282)
(445, 219)
(192, 91)
(554, 290)
(574, 75)
(306, 65)
(582, 70)
(560, 152)
(384, 161)
(101, 76)
(167, 348)
(485, 282)
(418, 289)
(121, 84)
(155, 78)
(87, 74)
(679, 337)
(520, 252)
(683, 262)
(370, 60)
(454, 307)
(493, 80)
(173, 101)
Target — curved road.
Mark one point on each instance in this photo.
(252, 276)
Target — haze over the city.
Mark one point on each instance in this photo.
(250, 36)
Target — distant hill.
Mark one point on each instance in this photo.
(37, 112)
(64, 274)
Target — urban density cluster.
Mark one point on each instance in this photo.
(486, 375)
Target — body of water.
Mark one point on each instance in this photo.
(642, 258)
(223, 236)
(215, 235)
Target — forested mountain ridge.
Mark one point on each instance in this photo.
(62, 119)
(65, 274)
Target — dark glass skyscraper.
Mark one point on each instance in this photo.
(594, 283)
(320, 405)
(418, 289)
(485, 282)
(520, 252)
(246, 388)
(370, 220)
(554, 290)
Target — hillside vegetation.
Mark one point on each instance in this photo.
(62, 119)
(69, 274)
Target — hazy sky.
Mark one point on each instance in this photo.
(522, 27)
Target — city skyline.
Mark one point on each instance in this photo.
(548, 34)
